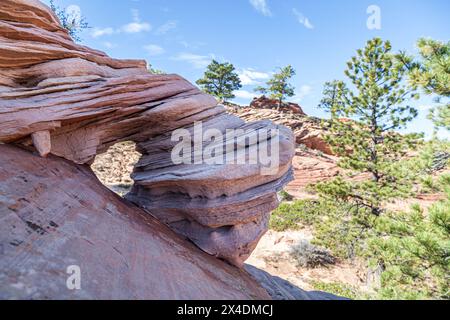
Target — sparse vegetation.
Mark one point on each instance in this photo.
(308, 255)
(72, 22)
(292, 216)
(338, 289)
(279, 87)
(432, 74)
(407, 250)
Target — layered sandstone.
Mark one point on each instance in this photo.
(308, 131)
(266, 103)
(63, 99)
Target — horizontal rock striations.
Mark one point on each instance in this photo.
(308, 131)
(64, 99)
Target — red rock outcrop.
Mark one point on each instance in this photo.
(56, 214)
(60, 98)
(266, 103)
(308, 131)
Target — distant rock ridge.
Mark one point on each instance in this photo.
(266, 103)
(308, 131)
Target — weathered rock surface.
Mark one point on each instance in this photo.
(308, 131)
(265, 103)
(57, 214)
(74, 102)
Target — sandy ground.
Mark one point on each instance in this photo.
(273, 255)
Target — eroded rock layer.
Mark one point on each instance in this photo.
(308, 131)
(61, 98)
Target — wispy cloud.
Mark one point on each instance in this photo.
(244, 94)
(154, 50)
(99, 32)
(262, 7)
(197, 61)
(192, 45)
(302, 19)
(166, 27)
(302, 93)
(109, 45)
(252, 77)
(136, 26)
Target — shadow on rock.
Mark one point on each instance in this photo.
(280, 289)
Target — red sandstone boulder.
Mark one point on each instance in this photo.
(308, 131)
(266, 103)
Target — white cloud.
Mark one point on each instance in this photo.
(197, 61)
(135, 26)
(154, 50)
(109, 45)
(192, 45)
(166, 27)
(261, 6)
(302, 19)
(251, 77)
(99, 32)
(244, 94)
(301, 93)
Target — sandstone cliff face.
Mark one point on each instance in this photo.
(60, 98)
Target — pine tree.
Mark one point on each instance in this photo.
(333, 94)
(278, 86)
(432, 74)
(365, 140)
(414, 249)
(220, 80)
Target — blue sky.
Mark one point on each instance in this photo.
(317, 37)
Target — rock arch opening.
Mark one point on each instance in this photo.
(115, 166)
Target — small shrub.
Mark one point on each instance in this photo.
(338, 289)
(285, 196)
(294, 216)
(73, 24)
(428, 185)
(309, 256)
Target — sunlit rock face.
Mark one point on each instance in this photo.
(63, 99)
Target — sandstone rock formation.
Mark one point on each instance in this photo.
(308, 131)
(265, 103)
(56, 214)
(60, 98)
